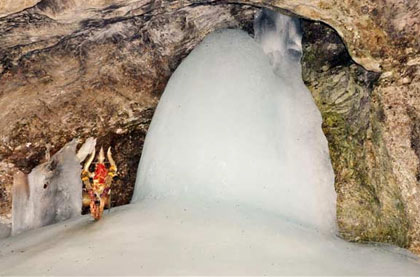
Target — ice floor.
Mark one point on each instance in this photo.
(170, 238)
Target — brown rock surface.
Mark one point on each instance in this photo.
(369, 204)
(83, 68)
(12, 6)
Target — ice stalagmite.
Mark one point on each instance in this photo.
(230, 128)
(52, 192)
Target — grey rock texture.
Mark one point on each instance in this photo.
(97, 68)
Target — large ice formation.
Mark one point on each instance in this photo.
(234, 180)
(228, 128)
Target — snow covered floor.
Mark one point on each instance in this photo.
(170, 238)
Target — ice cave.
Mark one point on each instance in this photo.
(235, 179)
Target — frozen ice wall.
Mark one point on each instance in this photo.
(230, 128)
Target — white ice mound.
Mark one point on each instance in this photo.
(228, 129)
(52, 192)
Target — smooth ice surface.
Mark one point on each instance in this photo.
(228, 128)
(187, 228)
(192, 238)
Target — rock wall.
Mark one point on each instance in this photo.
(371, 123)
(369, 205)
(12, 6)
(78, 68)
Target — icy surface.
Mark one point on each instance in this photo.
(52, 192)
(227, 128)
(280, 38)
(237, 219)
(87, 148)
(4, 230)
(192, 238)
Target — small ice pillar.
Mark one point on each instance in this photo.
(230, 128)
(52, 192)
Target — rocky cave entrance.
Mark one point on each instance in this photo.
(122, 66)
